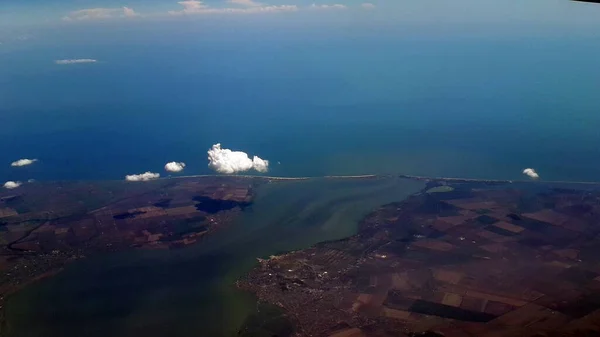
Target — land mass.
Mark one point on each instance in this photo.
(462, 258)
(491, 258)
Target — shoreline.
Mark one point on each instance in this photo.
(405, 176)
(356, 176)
(506, 181)
(360, 176)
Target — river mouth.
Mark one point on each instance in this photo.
(191, 291)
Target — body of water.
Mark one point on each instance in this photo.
(190, 292)
(444, 104)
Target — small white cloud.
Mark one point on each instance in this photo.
(367, 5)
(230, 162)
(23, 162)
(531, 173)
(100, 14)
(12, 184)
(75, 61)
(142, 177)
(247, 3)
(175, 166)
(335, 6)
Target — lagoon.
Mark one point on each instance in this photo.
(190, 291)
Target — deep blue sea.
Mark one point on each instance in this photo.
(432, 104)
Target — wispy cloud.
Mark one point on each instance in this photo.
(23, 162)
(229, 162)
(247, 3)
(198, 7)
(24, 37)
(190, 6)
(75, 61)
(129, 12)
(100, 14)
(142, 177)
(12, 184)
(335, 6)
(367, 5)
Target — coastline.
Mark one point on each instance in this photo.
(359, 176)
(278, 178)
(499, 181)
(406, 176)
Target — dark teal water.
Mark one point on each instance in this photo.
(314, 104)
(190, 292)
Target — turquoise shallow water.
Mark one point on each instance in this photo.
(189, 292)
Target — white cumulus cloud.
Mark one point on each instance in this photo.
(335, 6)
(100, 14)
(12, 184)
(531, 173)
(142, 177)
(367, 5)
(229, 162)
(260, 165)
(75, 61)
(175, 166)
(23, 162)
